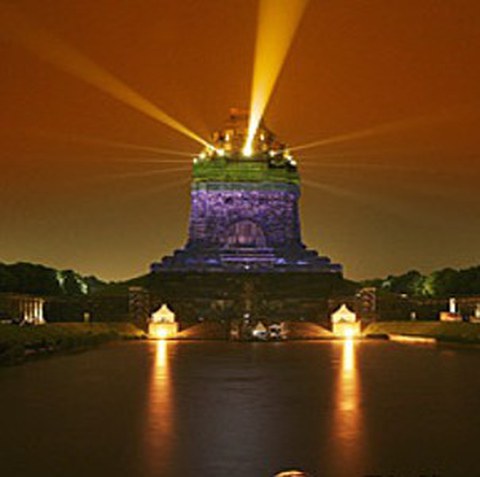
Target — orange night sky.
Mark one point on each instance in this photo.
(74, 195)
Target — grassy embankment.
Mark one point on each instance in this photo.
(17, 343)
(454, 332)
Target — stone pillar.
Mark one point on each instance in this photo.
(452, 305)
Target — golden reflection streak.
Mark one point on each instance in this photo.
(276, 26)
(347, 411)
(46, 46)
(159, 429)
(347, 395)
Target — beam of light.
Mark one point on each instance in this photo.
(393, 208)
(381, 129)
(95, 141)
(155, 150)
(334, 190)
(276, 26)
(156, 190)
(371, 166)
(156, 172)
(14, 26)
(355, 155)
(367, 153)
(149, 161)
(114, 144)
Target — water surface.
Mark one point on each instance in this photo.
(243, 409)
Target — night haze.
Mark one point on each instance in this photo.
(395, 84)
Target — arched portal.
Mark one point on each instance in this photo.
(245, 233)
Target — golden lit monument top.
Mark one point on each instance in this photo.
(230, 142)
(227, 159)
(234, 136)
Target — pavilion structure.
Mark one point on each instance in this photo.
(162, 324)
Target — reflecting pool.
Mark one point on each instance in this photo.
(340, 408)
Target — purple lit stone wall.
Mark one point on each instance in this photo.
(245, 226)
(229, 215)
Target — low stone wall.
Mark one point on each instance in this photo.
(204, 331)
(220, 331)
(18, 343)
(298, 330)
(453, 332)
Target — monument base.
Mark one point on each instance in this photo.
(223, 296)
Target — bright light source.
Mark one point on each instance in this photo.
(247, 150)
(276, 27)
(221, 152)
(162, 331)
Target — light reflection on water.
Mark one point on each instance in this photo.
(159, 429)
(347, 412)
(347, 394)
(234, 414)
(218, 409)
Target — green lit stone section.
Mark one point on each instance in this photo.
(256, 169)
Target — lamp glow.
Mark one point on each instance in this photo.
(247, 151)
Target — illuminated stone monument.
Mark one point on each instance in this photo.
(244, 209)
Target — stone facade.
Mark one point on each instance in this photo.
(221, 215)
(245, 226)
(244, 209)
